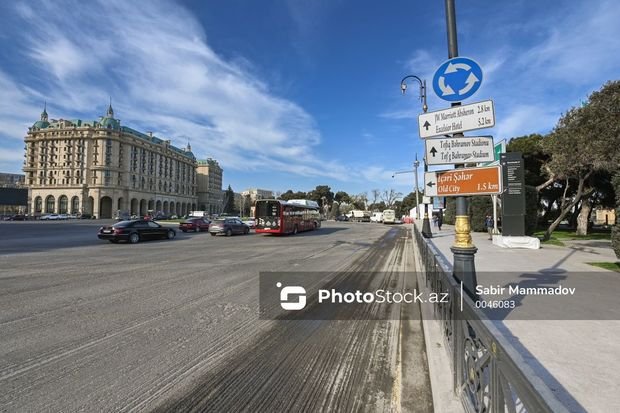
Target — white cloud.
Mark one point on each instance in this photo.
(162, 75)
(525, 119)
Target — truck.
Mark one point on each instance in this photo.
(376, 217)
(359, 216)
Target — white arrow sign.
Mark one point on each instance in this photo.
(430, 184)
(457, 119)
(466, 149)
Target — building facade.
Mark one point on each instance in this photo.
(11, 180)
(101, 167)
(248, 198)
(209, 188)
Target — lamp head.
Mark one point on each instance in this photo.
(403, 87)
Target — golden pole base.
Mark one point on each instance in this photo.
(462, 237)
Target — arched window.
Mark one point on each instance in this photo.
(75, 205)
(49, 204)
(63, 204)
(38, 204)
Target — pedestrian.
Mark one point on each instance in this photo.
(488, 223)
(434, 221)
(440, 219)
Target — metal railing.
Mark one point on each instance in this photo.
(489, 374)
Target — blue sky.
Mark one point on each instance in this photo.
(292, 94)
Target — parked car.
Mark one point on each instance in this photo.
(16, 217)
(250, 222)
(135, 231)
(194, 225)
(49, 217)
(63, 216)
(228, 227)
(342, 218)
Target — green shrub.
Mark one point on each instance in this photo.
(615, 231)
(450, 212)
(479, 208)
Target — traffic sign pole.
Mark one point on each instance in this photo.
(464, 250)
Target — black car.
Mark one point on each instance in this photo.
(342, 218)
(135, 231)
(17, 217)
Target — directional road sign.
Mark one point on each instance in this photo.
(457, 79)
(465, 149)
(463, 181)
(457, 119)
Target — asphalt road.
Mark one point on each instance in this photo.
(86, 325)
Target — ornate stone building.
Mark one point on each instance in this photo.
(101, 167)
(209, 191)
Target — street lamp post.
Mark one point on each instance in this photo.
(426, 223)
(416, 164)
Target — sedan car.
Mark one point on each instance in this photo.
(194, 225)
(135, 231)
(17, 217)
(49, 217)
(250, 222)
(228, 226)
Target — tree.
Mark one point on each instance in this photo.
(479, 207)
(360, 201)
(409, 202)
(229, 201)
(390, 196)
(288, 195)
(335, 211)
(342, 196)
(323, 195)
(583, 143)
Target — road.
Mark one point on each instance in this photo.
(86, 325)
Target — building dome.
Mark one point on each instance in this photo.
(41, 124)
(110, 123)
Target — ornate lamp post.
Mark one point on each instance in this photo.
(426, 224)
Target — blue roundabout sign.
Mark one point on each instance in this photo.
(457, 79)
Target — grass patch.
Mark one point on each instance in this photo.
(612, 266)
(552, 241)
(570, 235)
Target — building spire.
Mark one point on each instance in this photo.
(189, 147)
(110, 113)
(44, 113)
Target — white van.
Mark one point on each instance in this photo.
(389, 216)
(376, 217)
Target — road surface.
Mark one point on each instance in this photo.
(86, 325)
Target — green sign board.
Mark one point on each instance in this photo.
(499, 148)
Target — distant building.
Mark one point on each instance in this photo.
(605, 217)
(11, 180)
(245, 203)
(209, 189)
(100, 167)
(255, 193)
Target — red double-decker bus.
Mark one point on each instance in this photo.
(274, 216)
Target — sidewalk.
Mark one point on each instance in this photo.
(573, 343)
